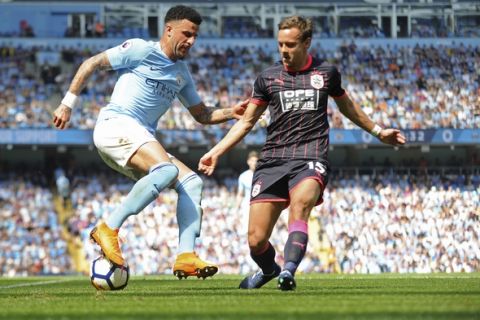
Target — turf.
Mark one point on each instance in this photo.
(390, 296)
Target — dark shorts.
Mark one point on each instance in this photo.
(274, 179)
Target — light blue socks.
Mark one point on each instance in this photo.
(143, 193)
(189, 211)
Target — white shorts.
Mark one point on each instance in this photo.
(117, 139)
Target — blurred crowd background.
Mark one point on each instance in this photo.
(383, 221)
(408, 87)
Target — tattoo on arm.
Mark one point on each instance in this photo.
(210, 115)
(97, 62)
(228, 113)
(206, 115)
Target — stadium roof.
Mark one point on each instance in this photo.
(256, 1)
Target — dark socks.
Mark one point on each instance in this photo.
(265, 259)
(295, 250)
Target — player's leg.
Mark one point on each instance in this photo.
(139, 153)
(262, 219)
(152, 160)
(303, 197)
(189, 187)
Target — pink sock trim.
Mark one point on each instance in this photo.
(265, 248)
(298, 225)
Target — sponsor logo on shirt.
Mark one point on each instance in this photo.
(161, 89)
(300, 99)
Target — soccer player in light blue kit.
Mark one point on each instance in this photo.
(152, 75)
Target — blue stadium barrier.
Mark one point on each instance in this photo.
(203, 137)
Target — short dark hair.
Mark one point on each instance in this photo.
(183, 12)
(303, 24)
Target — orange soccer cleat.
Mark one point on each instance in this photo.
(189, 264)
(107, 239)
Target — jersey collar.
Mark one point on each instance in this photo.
(305, 67)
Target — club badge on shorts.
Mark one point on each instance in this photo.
(316, 80)
(256, 189)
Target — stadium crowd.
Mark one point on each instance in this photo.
(386, 222)
(30, 235)
(367, 224)
(404, 87)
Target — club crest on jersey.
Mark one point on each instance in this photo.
(316, 80)
(180, 79)
(256, 189)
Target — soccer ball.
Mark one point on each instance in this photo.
(104, 275)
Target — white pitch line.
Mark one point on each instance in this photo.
(415, 276)
(31, 284)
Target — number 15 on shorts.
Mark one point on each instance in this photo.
(318, 167)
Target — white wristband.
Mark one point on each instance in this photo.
(376, 130)
(70, 100)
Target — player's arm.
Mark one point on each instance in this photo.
(361, 119)
(62, 114)
(209, 115)
(239, 130)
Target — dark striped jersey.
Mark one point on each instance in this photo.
(297, 102)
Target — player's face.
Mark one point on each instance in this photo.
(252, 162)
(182, 35)
(293, 50)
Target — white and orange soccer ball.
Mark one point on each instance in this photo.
(105, 275)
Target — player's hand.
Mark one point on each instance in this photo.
(239, 109)
(392, 136)
(61, 116)
(207, 163)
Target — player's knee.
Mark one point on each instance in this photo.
(256, 241)
(300, 210)
(192, 186)
(168, 171)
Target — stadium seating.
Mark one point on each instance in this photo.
(30, 235)
(367, 224)
(441, 81)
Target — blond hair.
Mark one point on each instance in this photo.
(303, 24)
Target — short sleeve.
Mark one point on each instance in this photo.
(188, 96)
(335, 89)
(260, 95)
(129, 54)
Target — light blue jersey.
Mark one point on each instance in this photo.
(245, 186)
(148, 83)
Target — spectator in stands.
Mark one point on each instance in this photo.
(136, 152)
(63, 186)
(293, 170)
(26, 30)
(99, 29)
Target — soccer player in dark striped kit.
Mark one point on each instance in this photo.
(293, 168)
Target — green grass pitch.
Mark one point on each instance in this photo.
(318, 296)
